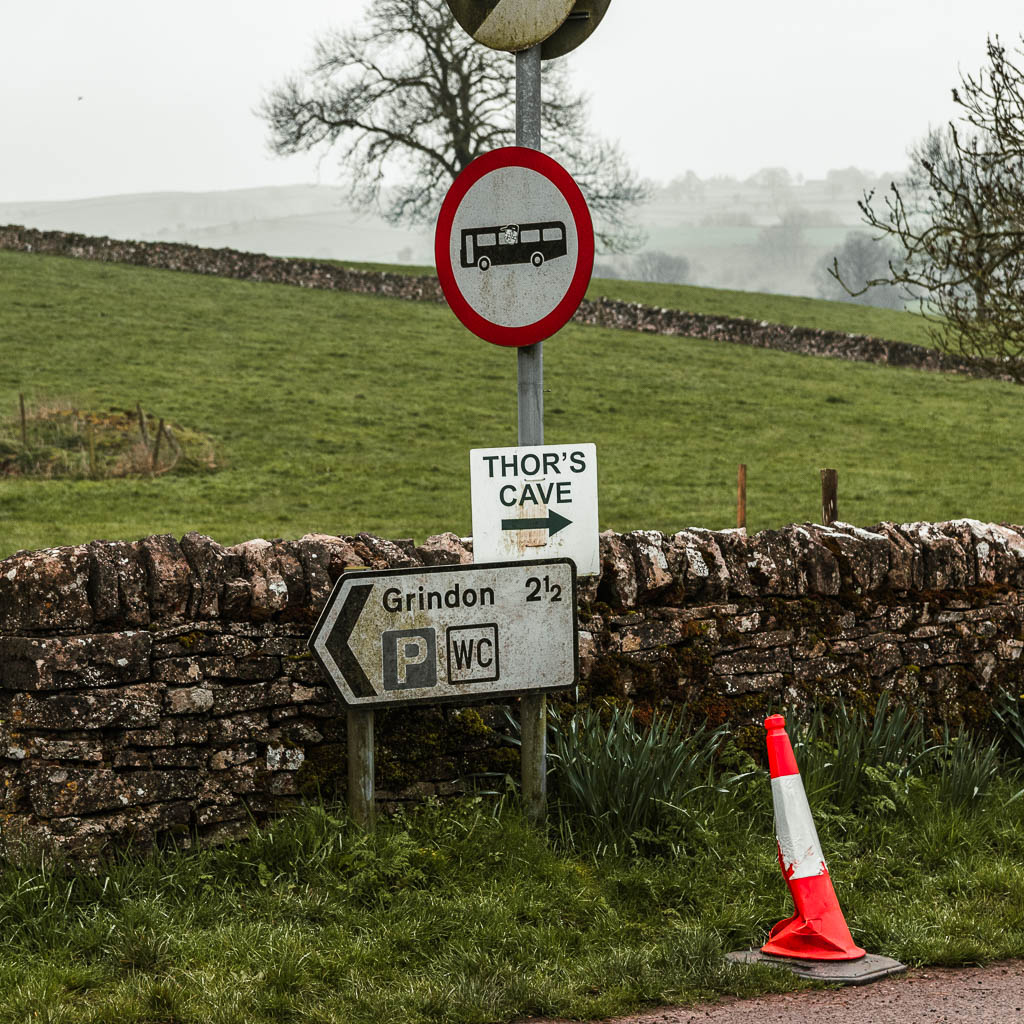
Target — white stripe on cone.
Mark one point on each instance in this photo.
(794, 829)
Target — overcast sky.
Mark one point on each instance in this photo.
(116, 96)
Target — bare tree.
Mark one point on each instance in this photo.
(409, 100)
(846, 181)
(958, 222)
(776, 183)
(863, 258)
(662, 267)
(784, 246)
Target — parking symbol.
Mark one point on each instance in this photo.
(410, 658)
(473, 653)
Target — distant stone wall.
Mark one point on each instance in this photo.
(243, 266)
(632, 316)
(163, 687)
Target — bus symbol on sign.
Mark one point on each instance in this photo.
(504, 245)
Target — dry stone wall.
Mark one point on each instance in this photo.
(163, 687)
(633, 316)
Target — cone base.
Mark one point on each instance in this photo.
(870, 967)
(823, 939)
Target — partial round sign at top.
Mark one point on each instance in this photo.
(510, 24)
(584, 17)
(514, 246)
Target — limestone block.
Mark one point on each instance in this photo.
(906, 561)
(45, 590)
(170, 580)
(118, 586)
(125, 707)
(212, 565)
(74, 662)
(230, 699)
(695, 559)
(378, 553)
(444, 549)
(754, 662)
(618, 572)
(653, 577)
(946, 565)
(59, 792)
(863, 555)
(189, 700)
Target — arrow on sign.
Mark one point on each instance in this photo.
(553, 521)
(337, 642)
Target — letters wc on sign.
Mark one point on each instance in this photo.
(536, 501)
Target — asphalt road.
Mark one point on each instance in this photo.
(931, 995)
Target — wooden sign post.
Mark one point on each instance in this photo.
(829, 496)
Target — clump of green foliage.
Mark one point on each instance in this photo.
(621, 784)
(874, 763)
(59, 440)
(1008, 709)
(618, 781)
(847, 757)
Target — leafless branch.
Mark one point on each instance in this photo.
(958, 221)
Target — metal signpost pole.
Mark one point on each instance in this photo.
(531, 357)
(533, 707)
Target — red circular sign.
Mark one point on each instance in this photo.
(514, 246)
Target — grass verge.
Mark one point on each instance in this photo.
(464, 914)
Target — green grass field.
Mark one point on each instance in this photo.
(339, 413)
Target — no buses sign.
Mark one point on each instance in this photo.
(514, 246)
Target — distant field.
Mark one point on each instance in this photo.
(847, 317)
(338, 413)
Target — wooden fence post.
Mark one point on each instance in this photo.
(829, 496)
(92, 450)
(142, 425)
(741, 497)
(156, 447)
(361, 791)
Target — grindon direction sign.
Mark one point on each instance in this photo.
(539, 500)
(445, 633)
(514, 246)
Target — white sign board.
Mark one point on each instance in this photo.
(452, 632)
(514, 246)
(536, 501)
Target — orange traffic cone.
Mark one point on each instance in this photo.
(817, 931)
